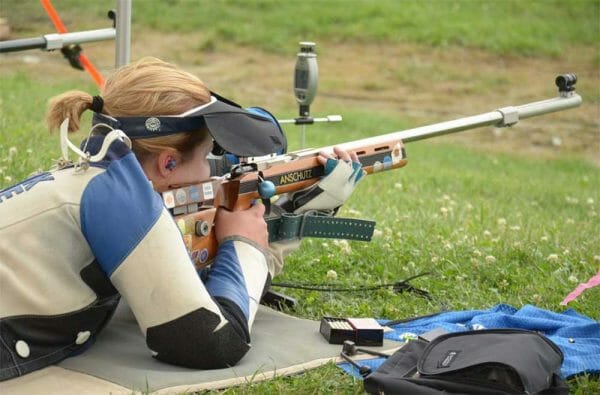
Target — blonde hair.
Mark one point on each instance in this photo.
(147, 87)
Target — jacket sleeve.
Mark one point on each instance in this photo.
(139, 247)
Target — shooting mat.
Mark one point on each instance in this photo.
(120, 363)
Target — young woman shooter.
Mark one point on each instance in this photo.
(74, 240)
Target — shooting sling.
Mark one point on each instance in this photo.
(290, 226)
(494, 361)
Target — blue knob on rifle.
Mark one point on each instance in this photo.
(266, 189)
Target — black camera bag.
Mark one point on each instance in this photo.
(494, 361)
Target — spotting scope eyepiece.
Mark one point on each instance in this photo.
(566, 82)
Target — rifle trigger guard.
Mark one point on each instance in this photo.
(510, 116)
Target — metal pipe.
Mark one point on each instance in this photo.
(57, 40)
(123, 39)
(22, 44)
(54, 41)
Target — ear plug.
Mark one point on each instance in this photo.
(171, 163)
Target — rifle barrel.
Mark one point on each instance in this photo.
(506, 116)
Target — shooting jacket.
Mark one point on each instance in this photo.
(73, 242)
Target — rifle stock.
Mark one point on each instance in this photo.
(194, 207)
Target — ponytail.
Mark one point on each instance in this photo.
(148, 87)
(70, 105)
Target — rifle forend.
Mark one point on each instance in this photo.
(194, 207)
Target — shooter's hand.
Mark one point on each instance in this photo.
(342, 173)
(249, 224)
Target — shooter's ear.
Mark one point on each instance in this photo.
(166, 162)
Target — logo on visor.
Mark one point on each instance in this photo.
(152, 124)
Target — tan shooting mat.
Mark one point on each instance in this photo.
(120, 362)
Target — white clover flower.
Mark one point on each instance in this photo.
(573, 279)
(490, 259)
(434, 259)
(446, 197)
(552, 258)
(8, 178)
(596, 258)
(590, 201)
(354, 212)
(325, 245)
(377, 233)
(556, 141)
(487, 233)
(571, 200)
(12, 151)
(536, 298)
(444, 210)
(476, 252)
(570, 221)
(566, 252)
(469, 206)
(344, 246)
(332, 275)
(515, 227)
(501, 221)
(460, 278)
(29, 151)
(448, 246)
(398, 185)
(544, 238)
(593, 213)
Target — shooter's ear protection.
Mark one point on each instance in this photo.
(171, 163)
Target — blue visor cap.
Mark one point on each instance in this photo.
(234, 129)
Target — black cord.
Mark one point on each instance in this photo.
(398, 287)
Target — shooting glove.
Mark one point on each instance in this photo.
(341, 177)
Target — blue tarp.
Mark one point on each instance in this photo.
(577, 335)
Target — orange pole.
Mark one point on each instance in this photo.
(61, 28)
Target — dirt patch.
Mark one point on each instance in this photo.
(417, 83)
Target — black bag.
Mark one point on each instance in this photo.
(494, 361)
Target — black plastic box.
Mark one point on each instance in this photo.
(362, 331)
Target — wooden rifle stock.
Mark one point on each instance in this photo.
(194, 207)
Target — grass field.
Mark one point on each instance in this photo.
(496, 219)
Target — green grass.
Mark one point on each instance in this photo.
(509, 26)
(491, 228)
